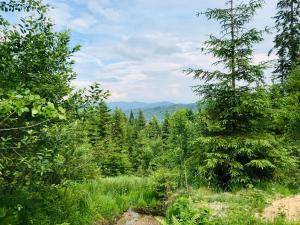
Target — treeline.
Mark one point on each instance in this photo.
(134, 146)
(245, 133)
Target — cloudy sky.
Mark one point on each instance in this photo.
(138, 48)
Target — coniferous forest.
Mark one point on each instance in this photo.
(66, 158)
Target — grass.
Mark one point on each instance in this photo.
(103, 200)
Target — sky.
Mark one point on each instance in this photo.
(138, 49)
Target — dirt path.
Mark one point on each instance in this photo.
(133, 218)
(290, 207)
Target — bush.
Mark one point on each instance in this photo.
(164, 183)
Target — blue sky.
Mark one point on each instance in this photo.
(138, 48)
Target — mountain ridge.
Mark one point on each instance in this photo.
(126, 105)
(157, 109)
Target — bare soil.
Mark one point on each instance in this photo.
(289, 207)
(133, 218)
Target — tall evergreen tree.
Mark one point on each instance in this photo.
(118, 128)
(104, 120)
(235, 106)
(153, 128)
(131, 118)
(140, 120)
(287, 40)
(166, 128)
(234, 51)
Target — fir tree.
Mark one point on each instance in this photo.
(287, 40)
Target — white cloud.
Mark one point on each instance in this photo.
(64, 18)
(137, 49)
(81, 83)
(101, 8)
(140, 72)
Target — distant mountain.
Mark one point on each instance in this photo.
(138, 105)
(157, 109)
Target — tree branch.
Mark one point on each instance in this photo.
(21, 128)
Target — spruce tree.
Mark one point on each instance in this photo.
(104, 120)
(154, 130)
(166, 128)
(114, 156)
(287, 40)
(131, 118)
(233, 50)
(234, 148)
(118, 128)
(140, 121)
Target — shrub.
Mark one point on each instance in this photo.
(182, 212)
(164, 183)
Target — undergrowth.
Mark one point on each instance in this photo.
(101, 201)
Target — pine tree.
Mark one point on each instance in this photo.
(287, 40)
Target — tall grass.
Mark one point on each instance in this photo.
(102, 200)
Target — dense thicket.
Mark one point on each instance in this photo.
(42, 146)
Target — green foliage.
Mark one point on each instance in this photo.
(100, 200)
(241, 160)
(165, 182)
(34, 56)
(236, 146)
(182, 212)
(140, 121)
(103, 199)
(287, 39)
(41, 149)
(234, 49)
(56, 143)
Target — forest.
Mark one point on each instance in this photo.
(67, 159)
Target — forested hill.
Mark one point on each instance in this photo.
(157, 109)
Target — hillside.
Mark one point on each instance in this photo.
(138, 105)
(157, 109)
